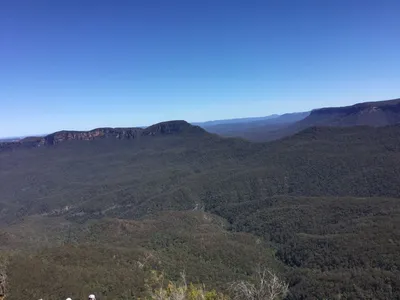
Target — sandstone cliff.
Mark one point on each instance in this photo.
(163, 128)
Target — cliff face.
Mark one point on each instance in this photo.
(164, 128)
(118, 133)
(367, 114)
(373, 114)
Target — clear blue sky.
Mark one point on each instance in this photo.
(80, 64)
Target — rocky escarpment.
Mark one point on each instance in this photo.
(118, 133)
(164, 128)
(374, 114)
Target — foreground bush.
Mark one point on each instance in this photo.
(178, 291)
(266, 286)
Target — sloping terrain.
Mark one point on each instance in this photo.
(130, 179)
(380, 113)
(111, 257)
(374, 114)
(253, 129)
(105, 177)
(163, 128)
(234, 121)
(325, 199)
(336, 245)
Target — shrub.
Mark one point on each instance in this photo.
(157, 290)
(267, 286)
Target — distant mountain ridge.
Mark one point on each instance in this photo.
(380, 113)
(373, 114)
(248, 127)
(323, 202)
(163, 128)
(235, 120)
(257, 129)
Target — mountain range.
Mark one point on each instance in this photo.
(55, 138)
(259, 129)
(378, 113)
(319, 206)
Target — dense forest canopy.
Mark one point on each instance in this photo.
(320, 208)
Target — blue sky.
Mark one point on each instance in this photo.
(80, 64)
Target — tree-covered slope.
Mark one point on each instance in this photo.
(131, 178)
(325, 199)
(112, 258)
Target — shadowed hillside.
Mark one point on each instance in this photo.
(131, 178)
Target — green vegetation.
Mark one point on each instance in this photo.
(320, 208)
(156, 289)
(112, 258)
(265, 285)
(332, 246)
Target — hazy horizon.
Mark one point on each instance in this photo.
(79, 65)
(192, 122)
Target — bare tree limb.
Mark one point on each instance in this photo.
(267, 286)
